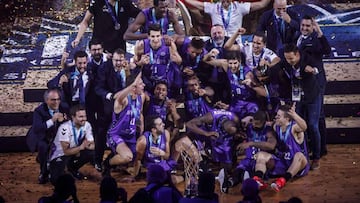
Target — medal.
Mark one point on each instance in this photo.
(117, 26)
(269, 107)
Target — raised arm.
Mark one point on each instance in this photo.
(120, 96)
(230, 43)
(254, 6)
(197, 4)
(174, 54)
(135, 26)
(173, 18)
(82, 28)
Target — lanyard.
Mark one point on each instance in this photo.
(156, 21)
(78, 140)
(226, 21)
(151, 56)
(260, 57)
(267, 94)
(134, 106)
(111, 11)
(158, 141)
(241, 74)
(287, 133)
(197, 61)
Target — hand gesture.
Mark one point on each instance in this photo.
(221, 105)
(168, 40)
(58, 117)
(285, 16)
(214, 52)
(75, 43)
(241, 31)
(212, 134)
(188, 72)
(144, 60)
(157, 151)
(292, 111)
(63, 79)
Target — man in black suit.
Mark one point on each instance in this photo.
(305, 85)
(111, 78)
(312, 42)
(46, 119)
(281, 25)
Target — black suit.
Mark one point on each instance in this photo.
(107, 82)
(317, 47)
(39, 135)
(269, 24)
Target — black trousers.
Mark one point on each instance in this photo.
(73, 163)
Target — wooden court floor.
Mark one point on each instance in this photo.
(336, 181)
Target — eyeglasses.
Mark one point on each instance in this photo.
(55, 99)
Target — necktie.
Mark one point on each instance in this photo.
(298, 43)
(281, 24)
(81, 90)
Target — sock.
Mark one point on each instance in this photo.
(259, 174)
(287, 176)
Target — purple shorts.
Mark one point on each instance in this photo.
(114, 140)
(282, 165)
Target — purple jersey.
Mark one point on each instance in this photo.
(240, 91)
(243, 97)
(150, 158)
(248, 163)
(222, 145)
(160, 143)
(286, 149)
(187, 61)
(123, 127)
(159, 62)
(157, 109)
(150, 18)
(195, 106)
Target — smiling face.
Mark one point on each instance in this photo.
(81, 63)
(161, 8)
(80, 118)
(160, 91)
(281, 119)
(53, 100)
(155, 39)
(226, 3)
(217, 34)
(306, 27)
(258, 44)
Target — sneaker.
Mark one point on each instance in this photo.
(76, 174)
(106, 167)
(315, 164)
(98, 167)
(43, 179)
(260, 182)
(278, 184)
(222, 181)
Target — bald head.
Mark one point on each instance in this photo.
(280, 6)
